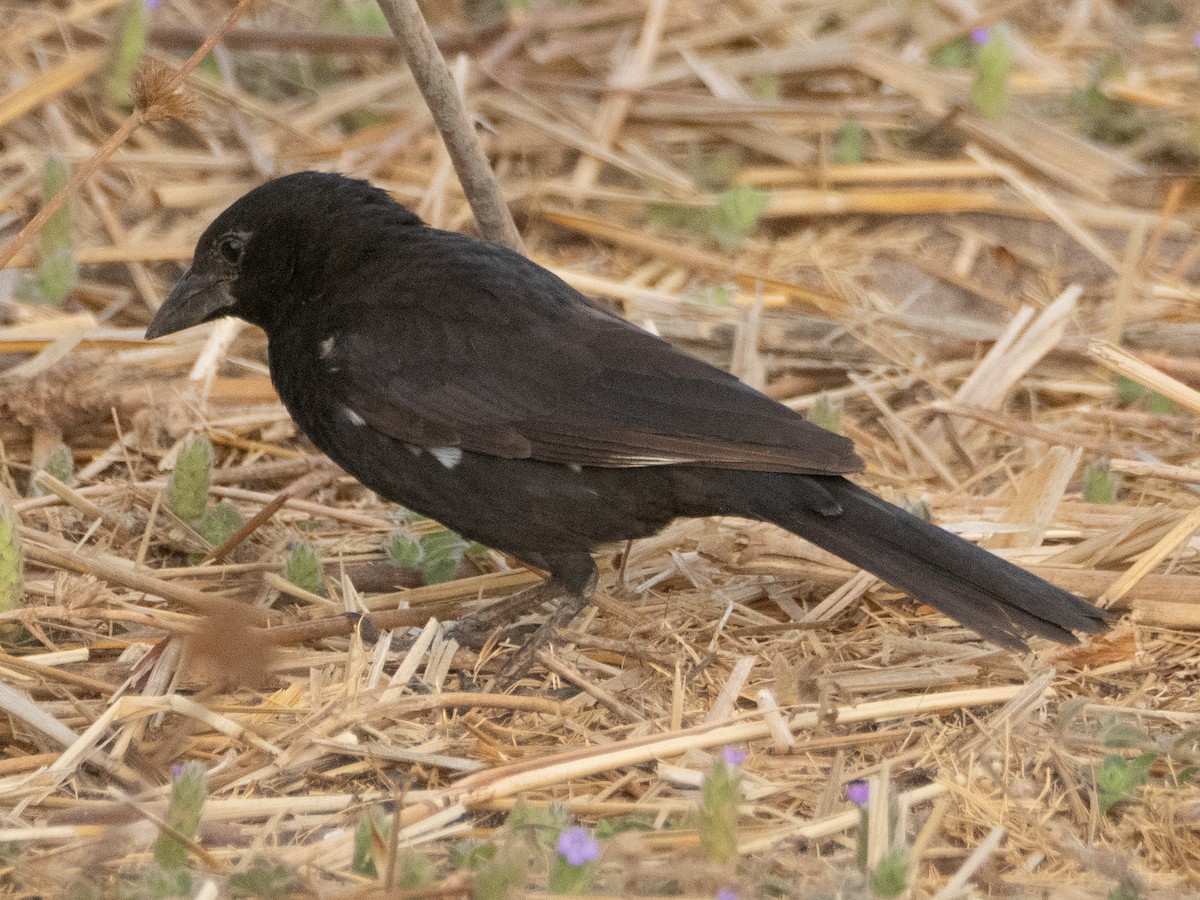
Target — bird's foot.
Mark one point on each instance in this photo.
(517, 665)
(475, 630)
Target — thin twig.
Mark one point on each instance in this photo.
(441, 95)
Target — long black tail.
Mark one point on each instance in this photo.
(1001, 601)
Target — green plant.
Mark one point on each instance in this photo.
(719, 798)
(125, 52)
(848, 145)
(1119, 779)
(993, 69)
(187, 489)
(12, 561)
(59, 464)
(730, 221)
(1110, 120)
(436, 555)
(57, 269)
(219, 523)
(826, 413)
(303, 568)
(1100, 485)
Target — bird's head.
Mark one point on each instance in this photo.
(248, 260)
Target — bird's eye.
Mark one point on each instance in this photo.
(231, 248)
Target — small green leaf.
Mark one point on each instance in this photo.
(1110, 120)
(1118, 779)
(504, 876)
(168, 884)
(60, 464)
(543, 822)
(414, 871)
(443, 552)
(720, 795)
(470, 854)
(1158, 405)
(608, 828)
(1117, 735)
(764, 86)
(220, 523)
(1128, 390)
(437, 554)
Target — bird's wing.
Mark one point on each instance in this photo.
(562, 382)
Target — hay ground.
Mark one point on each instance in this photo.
(978, 299)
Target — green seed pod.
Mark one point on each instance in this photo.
(187, 491)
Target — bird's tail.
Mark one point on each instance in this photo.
(1001, 601)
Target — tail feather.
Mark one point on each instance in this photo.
(996, 598)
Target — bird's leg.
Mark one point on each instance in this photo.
(573, 578)
(473, 630)
(517, 665)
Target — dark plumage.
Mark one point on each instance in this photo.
(466, 382)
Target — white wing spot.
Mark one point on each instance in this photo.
(447, 456)
(355, 418)
(327, 347)
(575, 467)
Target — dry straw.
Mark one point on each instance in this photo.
(964, 299)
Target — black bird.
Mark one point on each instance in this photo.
(466, 382)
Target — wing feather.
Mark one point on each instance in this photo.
(530, 369)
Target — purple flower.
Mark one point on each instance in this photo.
(858, 793)
(153, 4)
(727, 894)
(1196, 39)
(176, 770)
(576, 846)
(733, 756)
(980, 36)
